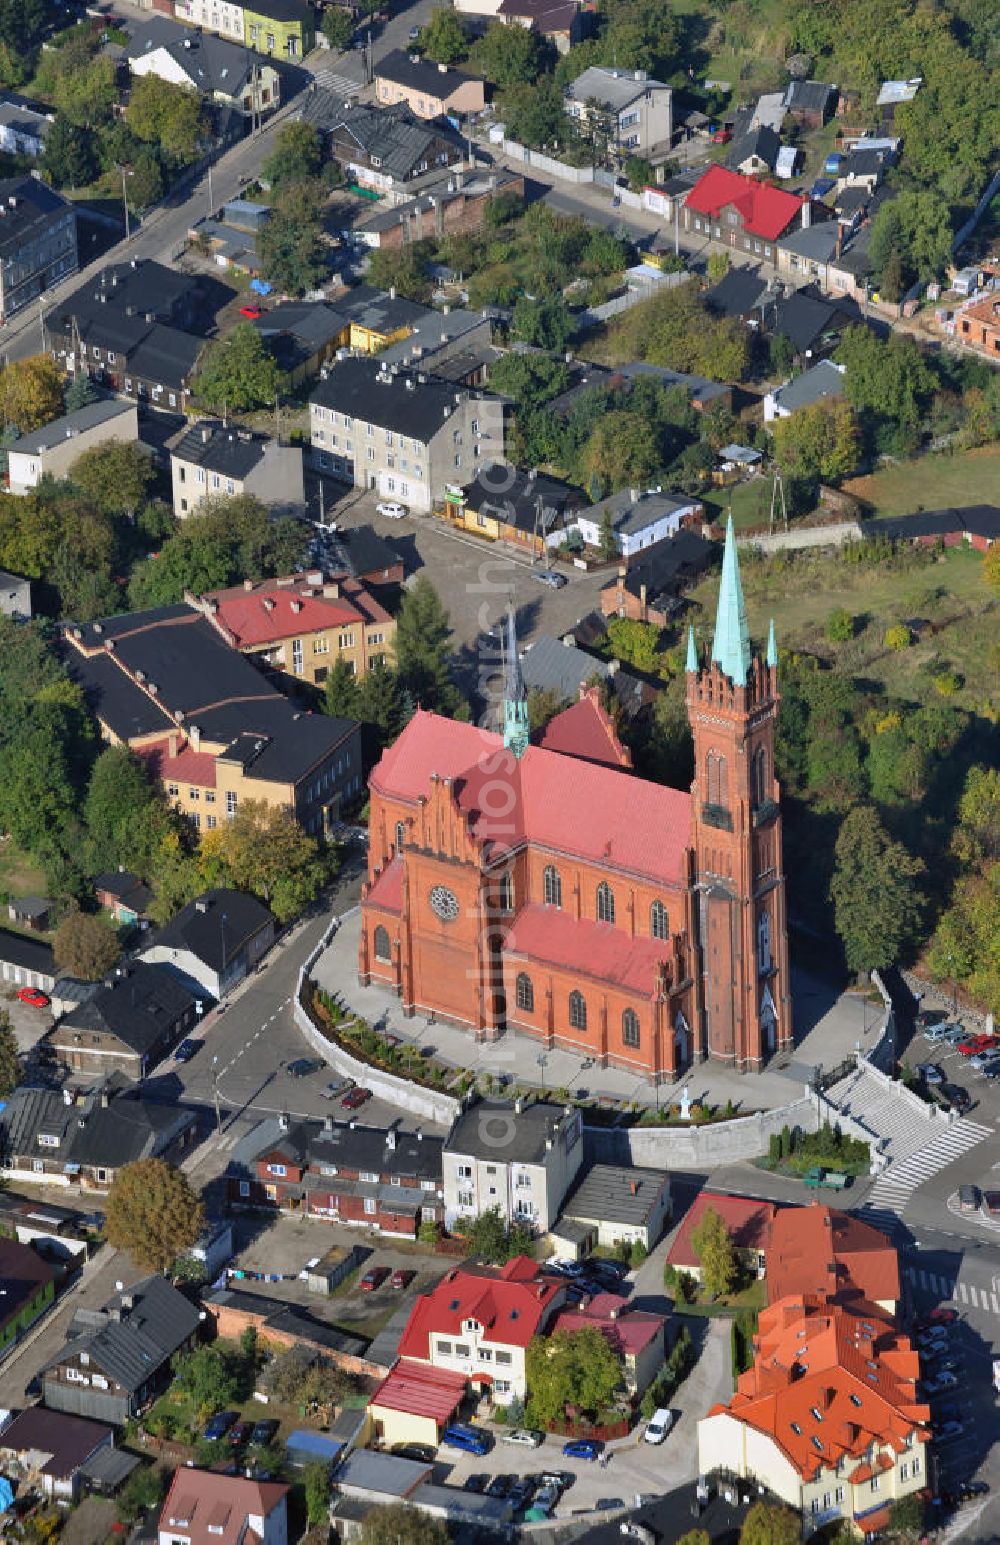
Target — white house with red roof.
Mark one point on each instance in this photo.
(743, 213)
(636, 1336)
(203, 1508)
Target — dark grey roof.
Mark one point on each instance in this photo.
(613, 89)
(431, 333)
(616, 1193)
(125, 887)
(809, 96)
(824, 379)
(114, 698)
(360, 550)
(387, 1474)
(982, 520)
(405, 402)
(29, 208)
(138, 1007)
(762, 142)
(107, 1467)
(381, 312)
(394, 135)
(548, 665)
(284, 10)
(346, 1146)
(296, 744)
(215, 926)
(667, 564)
(818, 241)
(30, 954)
(629, 515)
(697, 387)
(803, 319)
(513, 495)
(211, 63)
(135, 1333)
(737, 293)
(523, 1134)
(288, 1318)
(228, 450)
(864, 163)
(298, 330)
(139, 290)
(71, 424)
(418, 74)
(89, 1132)
(852, 200)
(166, 356)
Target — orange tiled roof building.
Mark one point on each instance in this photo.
(829, 1416)
(553, 892)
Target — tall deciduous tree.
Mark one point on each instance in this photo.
(153, 1212)
(125, 815)
(770, 1524)
(398, 1523)
(226, 540)
(31, 392)
(443, 38)
(508, 56)
(713, 1245)
(291, 246)
(167, 116)
(69, 159)
(622, 452)
(116, 477)
(85, 945)
(263, 849)
(338, 27)
(819, 441)
(238, 374)
(875, 892)
(297, 153)
(572, 1368)
(491, 1239)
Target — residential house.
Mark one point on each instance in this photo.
(51, 1137)
(29, 1289)
(211, 461)
(222, 72)
(38, 242)
(117, 1359)
(817, 1249)
(416, 1402)
(215, 941)
(648, 586)
(811, 324)
(365, 556)
(233, 1310)
(222, 16)
(452, 345)
(204, 1508)
(128, 1026)
(459, 203)
(50, 1450)
(23, 128)
(741, 294)
(15, 596)
(976, 524)
(747, 1219)
(30, 912)
(430, 90)
(894, 93)
(384, 148)
(754, 154)
(822, 381)
(402, 433)
(811, 103)
(209, 725)
(284, 29)
(810, 250)
(27, 962)
(557, 667)
(302, 624)
(638, 518)
(864, 168)
(850, 273)
(636, 1336)
(978, 325)
(302, 337)
(620, 1204)
(521, 1159)
(342, 1172)
(384, 1479)
(52, 450)
(230, 246)
(527, 509)
(741, 213)
(377, 318)
(560, 22)
(631, 112)
(124, 895)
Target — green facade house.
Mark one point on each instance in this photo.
(28, 1288)
(284, 29)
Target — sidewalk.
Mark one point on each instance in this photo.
(828, 1029)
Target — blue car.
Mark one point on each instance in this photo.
(581, 1448)
(219, 1425)
(186, 1050)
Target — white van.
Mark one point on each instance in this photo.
(659, 1425)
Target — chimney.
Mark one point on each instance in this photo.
(206, 433)
(442, 70)
(194, 735)
(633, 494)
(332, 591)
(518, 1106)
(268, 603)
(633, 1186)
(314, 577)
(806, 214)
(283, 1122)
(296, 606)
(201, 906)
(248, 585)
(390, 1140)
(172, 744)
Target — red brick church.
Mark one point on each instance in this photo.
(551, 891)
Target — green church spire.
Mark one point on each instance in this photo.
(515, 697)
(772, 645)
(731, 645)
(692, 659)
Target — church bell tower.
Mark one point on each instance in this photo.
(732, 704)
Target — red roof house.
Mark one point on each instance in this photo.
(748, 1219)
(816, 1249)
(203, 1508)
(741, 211)
(634, 1335)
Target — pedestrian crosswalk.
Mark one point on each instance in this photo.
(944, 1287)
(893, 1190)
(340, 85)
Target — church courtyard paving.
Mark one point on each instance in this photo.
(828, 1030)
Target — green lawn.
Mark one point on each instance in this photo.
(949, 591)
(748, 503)
(932, 483)
(19, 874)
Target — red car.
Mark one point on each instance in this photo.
(402, 1279)
(251, 312)
(374, 1278)
(37, 1000)
(722, 136)
(943, 1316)
(968, 1048)
(355, 1098)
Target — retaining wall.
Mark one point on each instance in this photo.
(834, 535)
(560, 169)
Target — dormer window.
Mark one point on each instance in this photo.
(797, 1429)
(471, 1327)
(816, 1413)
(817, 1444)
(855, 1400)
(277, 1169)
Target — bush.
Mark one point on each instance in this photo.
(840, 626)
(947, 683)
(897, 637)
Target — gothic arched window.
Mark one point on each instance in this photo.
(763, 944)
(524, 993)
(506, 891)
(758, 777)
(552, 886)
(577, 1011)
(658, 921)
(630, 1028)
(383, 949)
(400, 835)
(718, 780)
(605, 903)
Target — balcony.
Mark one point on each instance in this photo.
(718, 816)
(765, 813)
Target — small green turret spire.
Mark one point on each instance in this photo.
(692, 659)
(515, 698)
(731, 645)
(772, 646)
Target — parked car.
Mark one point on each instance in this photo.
(414, 34)
(974, 1489)
(946, 1432)
(991, 1203)
(251, 312)
(263, 1432)
(525, 1436)
(582, 1448)
(722, 136)
(976, 1043)
(944, 1314)
(301, 1067)
(969, 1198)
(930, 1073)
(550, 577)
(391, 510)
(471, 1440)
(500, 1486)
(33, 997)
(355, 1098)
(421, 1452)
(957, 1097)
(930, 1019)
(219, 1425)
(186, 1050)
(336, 1087)
(373, 1278)
(659, 1425)
(475, 1483)
(981, 1060)
(240, 1434)
(401, 1278)
(944, 1380)
(521, 1492)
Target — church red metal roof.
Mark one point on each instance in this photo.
(555, 938)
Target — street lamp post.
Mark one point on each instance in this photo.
(125, 173)
(215, 1095)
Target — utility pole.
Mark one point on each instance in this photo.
(125, 173)
(215, 1095)
(778, 492)
(677, 227)
(211, 201)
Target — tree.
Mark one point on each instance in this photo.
(718, 266)
(819, 441)
(906, 1516)
(399, 1522)
(492, 1240)
(640, 173)
(535, 114)
(316, 1486)
(543, 704)
(875, 892)
(839, 625)
(991, 566)
(423, 634)
(716, 1252)
(141, 1492)
(116, 477)
(297, 153)
(405, 269)
(780, 356)
(214, 1376)
(898, 637)
(124, 813)
(888, 378)
(378, 699)
(238, 373)
(263, 849)
(547, 324)
(770, 1524)
(508, 56)
(341, 693)
(443, 38)
(31, 392)
(531, 379)
(338, 28)
(292, 246)
(695, 1537)
(570, 1369)
(69, 159)
(153, 1212)
(622, 452)
(10, 1062)
(168, 116)
(300, 1377)
(226, 540)
(79, 394)
(913, 230)
(85, 946)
